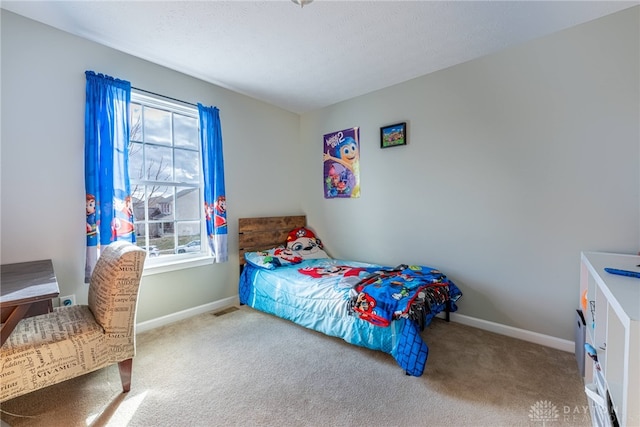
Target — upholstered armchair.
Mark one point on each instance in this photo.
(72, 341)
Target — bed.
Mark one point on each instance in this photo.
(284, 271)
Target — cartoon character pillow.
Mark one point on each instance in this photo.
(304, 243)
(272, 258)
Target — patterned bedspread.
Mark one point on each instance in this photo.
(404, 291)
(319, 294)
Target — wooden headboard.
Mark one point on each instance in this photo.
(258, 234)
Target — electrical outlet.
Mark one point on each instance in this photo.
(67, 301)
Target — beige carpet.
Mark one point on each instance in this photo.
(247, 368)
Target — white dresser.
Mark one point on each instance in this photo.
(612, 311)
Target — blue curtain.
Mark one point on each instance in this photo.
(108, 201)
(215, 201)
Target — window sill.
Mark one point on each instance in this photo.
(155, 267)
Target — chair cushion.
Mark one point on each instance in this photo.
(50, 348)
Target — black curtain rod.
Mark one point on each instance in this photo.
(164, 96)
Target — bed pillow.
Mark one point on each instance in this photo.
(304, 243)
(272, 258)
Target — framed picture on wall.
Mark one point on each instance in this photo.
(393, 135)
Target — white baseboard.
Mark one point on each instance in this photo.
(485, 325)
(510, 331)
(185, 314)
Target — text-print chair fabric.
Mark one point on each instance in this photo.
(72, 341)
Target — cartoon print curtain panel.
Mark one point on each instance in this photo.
(108, 200)
(215, 202)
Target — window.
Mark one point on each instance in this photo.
(165, 178)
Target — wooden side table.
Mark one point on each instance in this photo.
(27, 290)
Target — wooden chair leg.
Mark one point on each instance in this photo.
(125, 368)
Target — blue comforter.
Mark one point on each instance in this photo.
(317, 294)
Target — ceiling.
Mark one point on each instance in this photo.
(302, 59)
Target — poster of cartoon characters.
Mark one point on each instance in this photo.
(341, 160)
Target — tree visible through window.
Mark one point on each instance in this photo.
(164, 172)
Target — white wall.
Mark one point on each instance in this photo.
(516, 162)
(42, 177)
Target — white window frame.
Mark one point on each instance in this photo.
(166, 263)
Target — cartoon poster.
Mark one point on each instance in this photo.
(342, 164)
